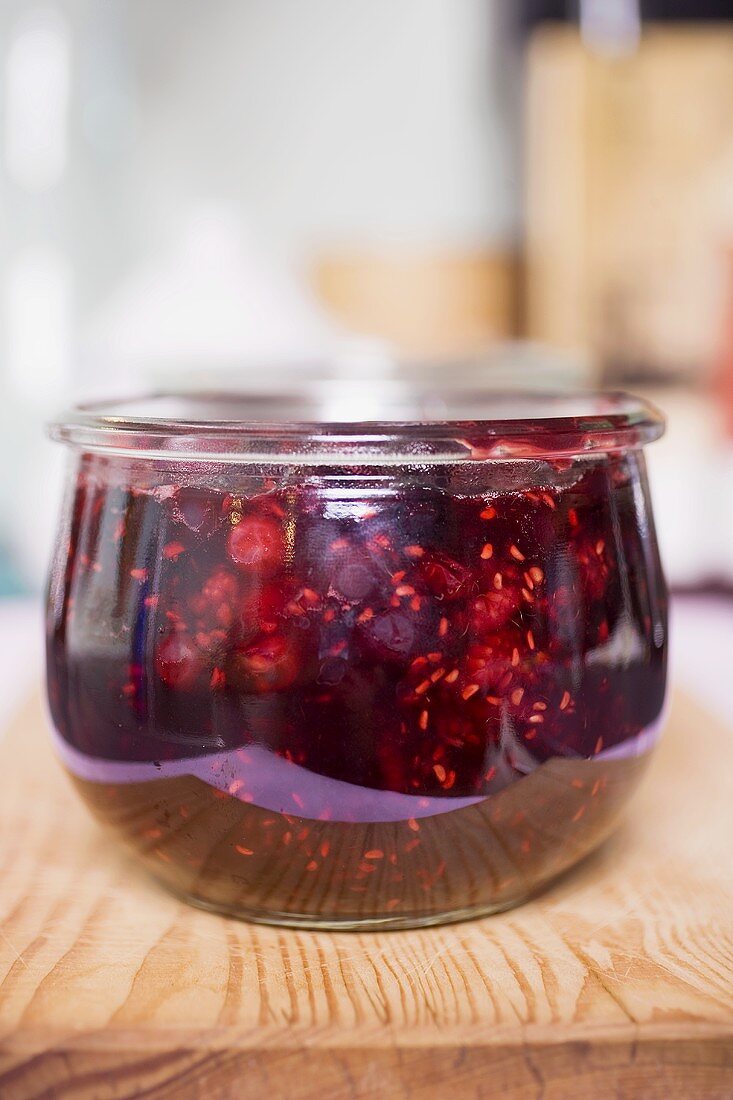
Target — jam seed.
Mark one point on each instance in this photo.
(414, 551)
(599, 746)
(243, 851)
(487, 551)
(452, 676)
(536, 574)
(374, 853)
(443, 628)
(423, 720)
(440, 772)
(488, 513)
(517, 696)
(516, 553)
(497, 582)
(530, 639)
(565, 700)
(412, 824)
(422, 687)
(469, 691)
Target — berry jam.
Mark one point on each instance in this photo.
(360, 696)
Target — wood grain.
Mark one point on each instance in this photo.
(616, 982)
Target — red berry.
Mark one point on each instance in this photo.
(391, 634)
(221, 587)
(593, 558)
(444, 577)
(354, 579)
(195, 509)
(259, 609)
(271, 663)
(492, 610)
(256, 545)
(215, 603)
(178, 661)
(489, 666)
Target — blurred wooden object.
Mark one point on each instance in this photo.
(617, 981)
(723, 378)
(425, 304)
(629, 165)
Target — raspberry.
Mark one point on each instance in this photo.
(178, 662)
(256, 546)
(271, 663)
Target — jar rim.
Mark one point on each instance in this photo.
(351, 422)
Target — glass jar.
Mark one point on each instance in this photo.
(336, 673)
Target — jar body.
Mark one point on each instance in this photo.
(354, 696)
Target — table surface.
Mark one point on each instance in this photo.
(618, 981)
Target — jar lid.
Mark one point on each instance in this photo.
(352, 422)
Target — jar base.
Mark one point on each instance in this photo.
(385, 923)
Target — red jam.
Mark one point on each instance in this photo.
(349, 699)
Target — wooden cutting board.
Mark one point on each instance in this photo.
(617, 982)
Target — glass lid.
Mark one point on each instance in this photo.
(348, 421)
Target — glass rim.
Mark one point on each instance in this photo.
(308, 425)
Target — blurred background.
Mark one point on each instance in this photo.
(537, 191)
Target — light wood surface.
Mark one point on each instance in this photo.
(424, 303)
(617, 982)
